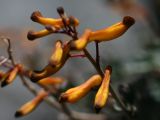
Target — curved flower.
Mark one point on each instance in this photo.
(50, 81)
(50, 69)
(34, 35)
(57, 54)
(74, 94)
(11, 75)
(103, 91)
(106, 34)
(113, 31)
(57, 23)
(31, 105)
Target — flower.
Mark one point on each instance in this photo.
(103, 91)
(10, 76)
(74, 94)
(31, 105)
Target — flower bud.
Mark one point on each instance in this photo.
(74, 94)
(10, 76)
(57, 23)
(50, 69)
(50, 81)
(103, 91)
(57, 54)
(31, 105)
(60, 10)
(34, 35)
(113, 31)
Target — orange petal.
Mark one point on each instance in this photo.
(51, 81)
(50, 69)
(113, 31)
(57, 55)
(31, 105)
(103, 91)
(74, 94)
(57, 23)
(10, 76)
(34, 35)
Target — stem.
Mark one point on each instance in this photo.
(97, 55)
(93, 62)
(67, 111)
(9, 49)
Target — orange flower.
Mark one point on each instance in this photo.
(113, 31)
(57, 23)
(34, 35)
(31, 105)
(57, 55)
(50, 69)
(50, 81)
(106, 34)
(74, 94)
(103, 91)
(11, 75)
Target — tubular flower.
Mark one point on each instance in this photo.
(74, 94)
(57, 23)
(57, 55)
(34, 35)
(103, 91)
(113, 31)
(50, 81)
(82, 41)
(11, 75)
(50, 69)
(31, 105)
(106, 34)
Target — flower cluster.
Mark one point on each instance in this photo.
(62, 51)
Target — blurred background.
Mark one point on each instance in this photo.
(135, 56)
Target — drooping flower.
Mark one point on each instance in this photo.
(11, 75)
(102, 35)
(103, 91)
(57, 54)
(31, 105)
(74, 94)
(51, 81)
(50, 69)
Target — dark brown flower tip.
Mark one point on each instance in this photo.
(35, 15)
(4, 83)
(109, 68)
(50, 28)
(18, 114)
(97, 108)
(33, 78)
(128, 21)
(60, 10)
(31, 36)
(62, 98)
